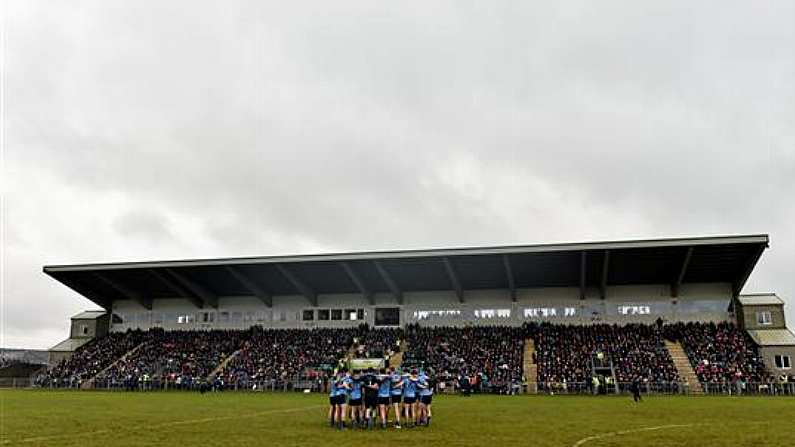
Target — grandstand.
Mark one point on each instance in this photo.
(547, 318)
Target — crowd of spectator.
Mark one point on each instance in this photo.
(278, 354)
(719, 352)
(91, 358)
(564, 354)
(377, 343)
(178, 359)
(490, 356)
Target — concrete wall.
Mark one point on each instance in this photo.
(697, 302)
(55, 357)
(768, 353)
(746, 316)
(89, 328)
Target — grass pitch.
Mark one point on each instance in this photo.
(43, 418)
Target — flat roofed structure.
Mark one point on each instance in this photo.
(760, 299)
(772, 337)
(589, 265)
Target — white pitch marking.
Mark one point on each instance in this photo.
(627, 432)
(161, 425)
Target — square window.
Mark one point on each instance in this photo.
(764, 318)
(360, 314)
(783, 362)
(350, 314)
(323, 314)
(336, 314)
(308, 315)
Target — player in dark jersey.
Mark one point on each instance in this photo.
(370, 390)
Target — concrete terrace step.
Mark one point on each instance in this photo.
(222, 365)
(397, 359)
(683, 367)
(529, 368)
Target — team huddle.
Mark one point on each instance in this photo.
(364, 398)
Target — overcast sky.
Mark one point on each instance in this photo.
(163, 129)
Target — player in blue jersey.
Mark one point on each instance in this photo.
(332, 393)
(343, 389)
(384, 393)
(355, 400)
(410, 398)
(397, 393)
(425, 384)
(336, 399)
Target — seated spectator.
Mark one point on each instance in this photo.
(719, 353)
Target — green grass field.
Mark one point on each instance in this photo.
(42, 418)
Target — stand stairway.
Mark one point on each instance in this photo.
(684, 368)
(222, 365)
(529, 367)
(397, 358)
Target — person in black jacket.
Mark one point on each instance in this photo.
(635, 388)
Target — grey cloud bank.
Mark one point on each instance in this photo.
(158, 130)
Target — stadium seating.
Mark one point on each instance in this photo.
(175, 358)
(377, 343)
(91, 358)
(719, 353)
(277, 354)
(492, 356)
(563, 353)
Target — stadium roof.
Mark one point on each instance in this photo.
(89, 315)
(772, 337)
(722, 259)
(760, 299)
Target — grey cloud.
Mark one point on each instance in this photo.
(255, 128)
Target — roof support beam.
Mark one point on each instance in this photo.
(738, 285)
(583, 256)
(459, 291)
(206, 295)
(250, 285)
(605, 272)
(506, 262)
(390, 283)
(299, 285)
(355, 279)
(125, 291)
(176, 288)
(682, 272)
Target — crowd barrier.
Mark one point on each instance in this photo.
(302, 384)
(15, 382)
(669, 388)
